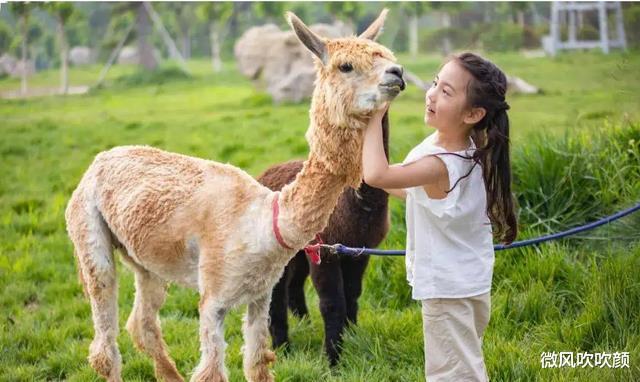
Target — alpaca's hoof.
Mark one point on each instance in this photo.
(260, 372)
(105, 359)
(209, 371)
(269, 357)
(168, 373)
(209, 376)
(166, 369)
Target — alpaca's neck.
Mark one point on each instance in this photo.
(308, 201)
(334, 162)
(371, 195)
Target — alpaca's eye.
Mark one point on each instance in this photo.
(345, 68)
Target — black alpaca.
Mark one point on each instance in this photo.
(360, 218)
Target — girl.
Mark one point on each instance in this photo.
(457, 186)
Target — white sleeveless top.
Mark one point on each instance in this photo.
(449, 241)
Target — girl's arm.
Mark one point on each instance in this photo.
(397, 192)
(378, 173)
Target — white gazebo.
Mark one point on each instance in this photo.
(567, 12)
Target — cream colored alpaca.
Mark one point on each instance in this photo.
(208, 225)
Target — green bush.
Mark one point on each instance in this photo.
(5, 37)
(631, 12)
(565, 182)
(400, 42)
(153, 77)
(493, 37)
(460, 38)
(532, 35)
(501, 37)
(588, 32)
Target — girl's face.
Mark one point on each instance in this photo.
(446, 100)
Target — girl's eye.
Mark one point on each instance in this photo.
(445, 92)
(434, 83)
(345, 68)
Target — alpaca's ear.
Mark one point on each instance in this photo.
(309, 39)
(375, 29)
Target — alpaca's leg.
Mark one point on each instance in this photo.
(256, 353)
(93, 248)
(352, 275)
(144, 325)
(212, 345)
(278, 325)
(298, 272)
(327, 279)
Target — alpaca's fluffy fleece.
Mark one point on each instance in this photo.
(209, 225)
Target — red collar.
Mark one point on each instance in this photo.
(312, 250)
(276, 230)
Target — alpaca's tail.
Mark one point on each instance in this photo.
(91, 237)
(93, 250)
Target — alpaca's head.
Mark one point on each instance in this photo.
(354, 75)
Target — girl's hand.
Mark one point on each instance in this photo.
(377, 172)
(376, 117)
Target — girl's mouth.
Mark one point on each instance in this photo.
(430, 110)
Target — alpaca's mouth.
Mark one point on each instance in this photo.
(392, 83)
(392, 89)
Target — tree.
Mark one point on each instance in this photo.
(62, 12)
(36, 32)
(146, 56)
(95, 31)
(271, 11)
(520, 7)
(23, 10)
(216, 15)
(180, 20)
(143, 31)
(347, 10)
(446, 10)
(5, 37)
(415, 10)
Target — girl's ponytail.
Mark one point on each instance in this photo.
(491, 135)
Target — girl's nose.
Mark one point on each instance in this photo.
(429, 95)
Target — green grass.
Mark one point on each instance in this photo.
(576, 157)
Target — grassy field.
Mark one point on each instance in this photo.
(576, 153)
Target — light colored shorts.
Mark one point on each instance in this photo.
(453, 329)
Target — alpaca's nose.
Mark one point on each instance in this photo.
(395, 69)
(393, 77)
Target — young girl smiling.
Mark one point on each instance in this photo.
(457, 187)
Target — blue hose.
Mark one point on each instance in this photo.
(344, 250)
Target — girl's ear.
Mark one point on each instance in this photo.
(475, 115)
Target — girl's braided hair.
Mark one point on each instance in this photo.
(487, 90)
